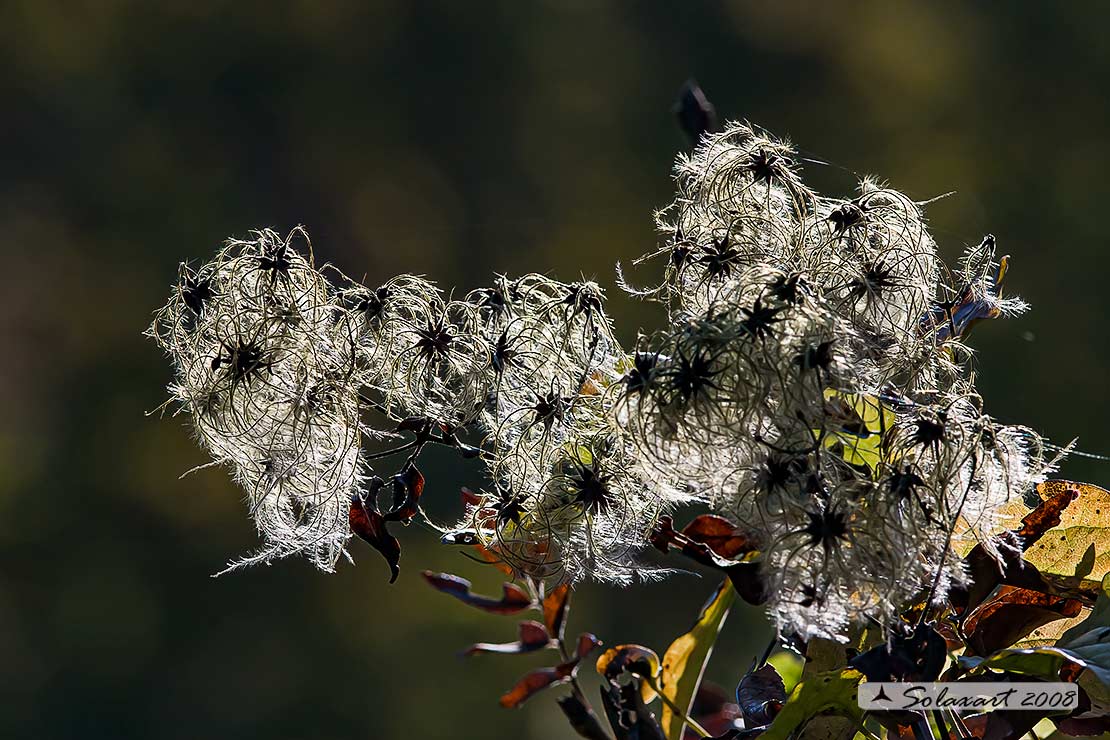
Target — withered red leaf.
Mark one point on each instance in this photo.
(533, 636)
(534, 633)
(408, 487)
(1058, 496)
(366, 522)
(1010, 614)
(745, 576)
(664, 536)
(536, 681)
(555, 605)
(493, 559)
(720, 535)
(587, 642)
(513, 598)
(541, 678)
(470, 498)
(987, 573)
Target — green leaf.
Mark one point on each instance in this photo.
(1099, 616)
(686, 658)
(789, 665)
(835, 690)
(1042, 662)
(1089, 641)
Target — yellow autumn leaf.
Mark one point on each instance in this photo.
(686, 658)
(1079, 547)
(860, 446)
(1076, 552)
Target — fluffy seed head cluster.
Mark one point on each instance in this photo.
(567, 500)
(281, 367)
(264, 365)
(811, 383)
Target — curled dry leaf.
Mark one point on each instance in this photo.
(1075, 552)
(541, 678)
(720, 535)
(408, 486)
(536, 681)
(533, 636)
(636, 660)
(1010, 614)
(513, 598)
(1057, 496)
(714, 541)
(556, 603)
(367, 522)
(761, 694)
(987, 572)
(710, 540)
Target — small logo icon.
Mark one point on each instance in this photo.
(881, 695)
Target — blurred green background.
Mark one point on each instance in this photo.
(451, 139)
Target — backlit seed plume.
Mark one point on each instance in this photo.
(264, 365)
(567, 502)
(280, 369)
(810, 383)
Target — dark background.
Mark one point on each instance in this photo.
(454, 140)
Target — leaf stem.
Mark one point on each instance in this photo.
(394, 451)
(698, 729)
